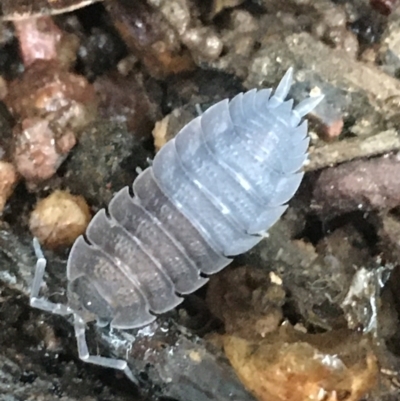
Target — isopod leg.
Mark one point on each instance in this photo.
(139, 170)
(199, 110)
(79, 325)
(41, 302)
(84, 355)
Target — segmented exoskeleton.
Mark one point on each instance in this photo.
(211, 193)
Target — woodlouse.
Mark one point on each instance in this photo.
(211, 193)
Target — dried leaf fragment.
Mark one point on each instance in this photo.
(291, 366)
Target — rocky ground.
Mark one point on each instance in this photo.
(90, 90)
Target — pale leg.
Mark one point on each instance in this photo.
(83, 351)
(199, 111)
(42, 302)
(79, 325)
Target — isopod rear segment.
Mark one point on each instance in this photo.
(211, 193)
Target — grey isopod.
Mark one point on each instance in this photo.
(211, 193)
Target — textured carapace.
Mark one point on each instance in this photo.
(212, 192)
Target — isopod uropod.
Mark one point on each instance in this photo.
(211, 193)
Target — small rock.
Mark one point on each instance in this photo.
(244, 22)
(38, 152)
(51, 106)
(169, 126)
(125, 66)
(203, 43)
(59, 219)
(8, 180)
(41, 39)
(47, 90)
(330, 130)
(160, 133)
(350, 44)
(38, 38)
